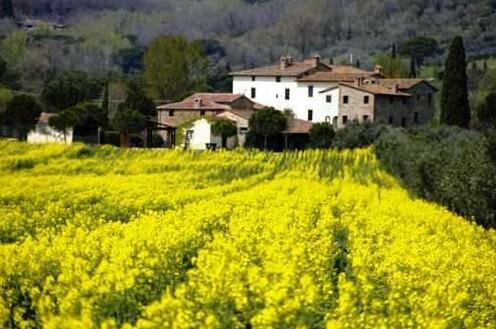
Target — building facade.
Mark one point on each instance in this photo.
(319, 92)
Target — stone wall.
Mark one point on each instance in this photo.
(356, 110)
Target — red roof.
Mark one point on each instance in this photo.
(293, 69)
(375, 89)
(215, 97)
(198, 104)
(297, 126)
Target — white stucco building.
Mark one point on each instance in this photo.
(319, 92)
(43, 133)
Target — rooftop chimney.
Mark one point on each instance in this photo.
(396, 87)
(198, 103)
(358, 81)
(284, 62)
(316, 60)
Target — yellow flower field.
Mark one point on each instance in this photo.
(105, 238)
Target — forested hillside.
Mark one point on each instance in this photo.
(110, 35)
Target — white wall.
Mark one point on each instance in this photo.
(45, 134)
(202, 134)
(272, 93)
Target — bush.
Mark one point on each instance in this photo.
(448, 165)
(358, 135)
(322, 135)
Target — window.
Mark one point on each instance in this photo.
(391, 121)
(329, 99)
(171, 113)
(243, 130)
(404, 101)
(328, 119)
(366, 99)
(346, 99)
(278, 79)
(310, 115)
(365, 118)
(403, 122)
(253, 93)
(202, 113)
(391, 100)
(335, 121)
(253, 78)
(418, 96)
(345, 119)
(287, 94)
(416, 117)
(430, 99)
(310, 91)
(189, 135)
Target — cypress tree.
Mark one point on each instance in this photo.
(106, 98)
(413, 69)
(6, 9)
(393, 51)
(455, 109)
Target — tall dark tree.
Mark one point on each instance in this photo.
(22, 113)
(6, 9)
(455, 109)
(70, 89)
(393, 51)
(268, 122)
(413, 69)
(106, 97)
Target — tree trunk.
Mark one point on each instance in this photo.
(125, 139)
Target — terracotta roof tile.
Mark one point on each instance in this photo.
(404, 84)
(215, 97)
(375, 89)
(192, 105)
(293, 69)
(45, 117)
(297, 126)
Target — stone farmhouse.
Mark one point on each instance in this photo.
(320, 92)
(191, 120)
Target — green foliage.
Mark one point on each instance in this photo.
(69, 89)
(392, 67)
(127, 120)
(455, 109)
(356, 135)
(322, 135)
(22, 113)
(175, 68)
(486, 112)
(448, 165)
(268, 122)
(136, 98)
(14, 49)
(224, 128)
(64, 121)
(419, 48)
(6, 9)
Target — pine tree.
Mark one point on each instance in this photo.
(455, 109)
(413, 69)
(6, 9)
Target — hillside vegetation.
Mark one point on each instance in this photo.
(102, 237)
(111, 35)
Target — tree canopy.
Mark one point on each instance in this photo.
(22, 112)
(175, 68)
(268, 122)
(455, 109)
